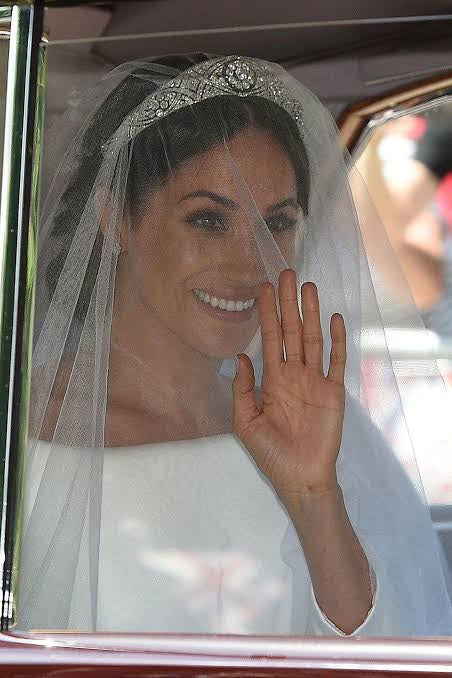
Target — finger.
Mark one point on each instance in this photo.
(244, 399)
(338, 353)
(270, 328)
(312, 330)
(292, 327)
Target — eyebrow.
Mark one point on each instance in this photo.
(288, 202)
(227, 202)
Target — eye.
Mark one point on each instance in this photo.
(280, 222)
(208, 220)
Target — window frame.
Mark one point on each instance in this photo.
(126, 654)
(358, 119)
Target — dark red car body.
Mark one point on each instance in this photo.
(99, 655)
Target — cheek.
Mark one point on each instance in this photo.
(167, 256)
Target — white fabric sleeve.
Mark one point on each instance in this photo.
(318, 623)
(383, 618)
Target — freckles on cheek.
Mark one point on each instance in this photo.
(182, 257)
(190, 252)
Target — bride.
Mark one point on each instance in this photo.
(204, 453)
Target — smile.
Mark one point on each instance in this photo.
(224, 304)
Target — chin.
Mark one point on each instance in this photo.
(220, 338)
(219, 348)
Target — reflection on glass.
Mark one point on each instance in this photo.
(4, 49)
(20, 191)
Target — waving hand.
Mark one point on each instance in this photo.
(294, 430)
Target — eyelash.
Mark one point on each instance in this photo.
(207, 215)
(286, 223)
(282, 222)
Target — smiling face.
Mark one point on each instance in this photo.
(194, 257)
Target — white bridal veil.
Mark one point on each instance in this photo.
(145, 126)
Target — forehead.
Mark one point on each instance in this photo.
(252, 157)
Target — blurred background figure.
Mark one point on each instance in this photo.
(407, 167)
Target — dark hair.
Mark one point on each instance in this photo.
(159, 149)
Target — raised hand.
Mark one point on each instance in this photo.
(293, 431)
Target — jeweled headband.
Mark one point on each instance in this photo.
(239, 76)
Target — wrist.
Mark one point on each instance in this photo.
(318, 514)
(305, 498)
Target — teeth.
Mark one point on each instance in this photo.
(224, 304)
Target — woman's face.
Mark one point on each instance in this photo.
(195, 258)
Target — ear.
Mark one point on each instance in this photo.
(104, 210)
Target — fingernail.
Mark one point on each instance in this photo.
(237, 364)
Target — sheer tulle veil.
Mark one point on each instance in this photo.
(141, 126)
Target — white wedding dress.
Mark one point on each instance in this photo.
(194, 540)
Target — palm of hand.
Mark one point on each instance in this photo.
(294, 432)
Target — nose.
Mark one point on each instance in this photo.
(253, 252)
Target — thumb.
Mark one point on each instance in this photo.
(245, 406)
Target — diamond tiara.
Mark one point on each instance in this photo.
(239, 76)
